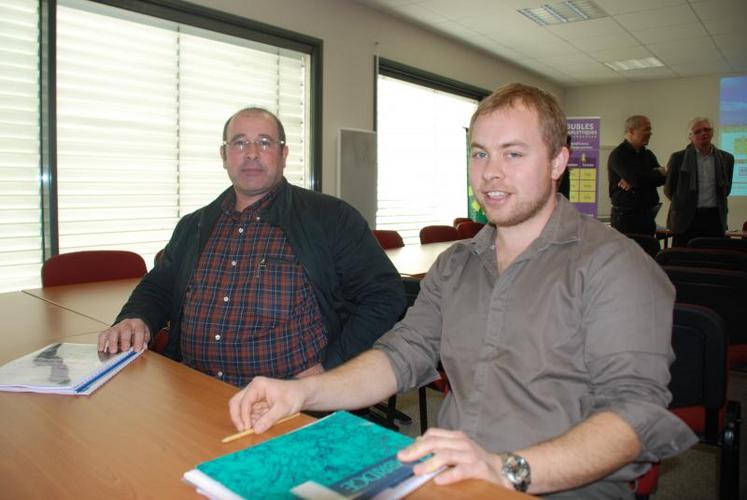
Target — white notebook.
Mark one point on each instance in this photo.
(63, 368)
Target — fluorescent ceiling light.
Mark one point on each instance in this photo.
(631, 64)
(568, 11)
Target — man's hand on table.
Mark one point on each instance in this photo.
(128, 333)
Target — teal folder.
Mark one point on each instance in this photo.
(339, 456)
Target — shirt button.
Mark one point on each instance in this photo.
(220, 374)
(241, 230)
(217, 337)
(225, 299)
(258, 218)
(233, 263)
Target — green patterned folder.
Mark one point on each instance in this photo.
(339, 456)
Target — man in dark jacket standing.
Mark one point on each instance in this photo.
(268, 279)
(634, 174)
(698, 184)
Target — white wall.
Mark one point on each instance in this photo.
(670, 104)
(352, 35)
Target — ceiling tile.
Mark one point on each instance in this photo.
(613, 7)
(455, 10)
(684, 51)
(621, 54)
(702, 68)
(420, 15)
(720, 9)
(489, 25)
(586, 29)
(548, 49)
(668, 33)
(648, 74)
(668, 16)
(605, 42)
(560, 62)
(725, 25)
(731, 41)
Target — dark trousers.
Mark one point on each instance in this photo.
(706, 222)
(633, 222)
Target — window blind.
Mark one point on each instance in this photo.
(20, 213)
(141, 107)
(422, 156)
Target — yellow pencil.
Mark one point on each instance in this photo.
(249, 432)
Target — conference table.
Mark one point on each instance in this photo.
(100, 301)
(416, 260)
(137, 434)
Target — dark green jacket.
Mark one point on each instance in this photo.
(359, 291)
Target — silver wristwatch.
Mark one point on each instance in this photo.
(516, 470)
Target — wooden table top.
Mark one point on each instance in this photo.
(100, 301)
(29, 324)
(416, 260)
(135, 437)
(137, 434)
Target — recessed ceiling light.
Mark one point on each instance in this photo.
(568, 11)
(631, 64)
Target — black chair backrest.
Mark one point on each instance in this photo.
(721, 290)
(723, 243)
(699, 371)
(649, 243)
(703, 257)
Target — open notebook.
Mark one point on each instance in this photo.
(63, 368)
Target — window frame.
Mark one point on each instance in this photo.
(410, 74)
(394, 69)
(180, 12)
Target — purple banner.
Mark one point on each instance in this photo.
(584, 163)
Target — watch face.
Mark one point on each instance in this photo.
(516, 469)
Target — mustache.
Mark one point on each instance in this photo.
(253, 163)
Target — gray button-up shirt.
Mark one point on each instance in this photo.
(706, 180)
(579, 323)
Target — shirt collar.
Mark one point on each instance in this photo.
(564, 226)
(229, 202)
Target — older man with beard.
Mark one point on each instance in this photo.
(268, 279)
(554, 332)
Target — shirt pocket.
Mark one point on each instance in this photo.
(275, 290)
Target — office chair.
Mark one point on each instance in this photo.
(698, 387)
(649, 243)
(91, 265)
(433, 234)
(703, 257)
(468, 229)
(722, 243)
(721, 290)
(388, 239)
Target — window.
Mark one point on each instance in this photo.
(422, 152)
(140, 103)
(20, 212)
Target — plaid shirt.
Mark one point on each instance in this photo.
(250, 309)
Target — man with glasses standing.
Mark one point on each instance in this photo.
(268, 279)
(698, 184)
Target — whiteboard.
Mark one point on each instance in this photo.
(357, 171)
